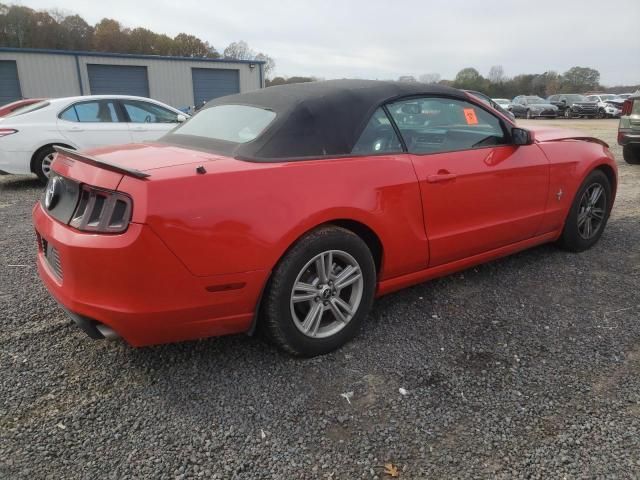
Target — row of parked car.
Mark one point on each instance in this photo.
(567, 105)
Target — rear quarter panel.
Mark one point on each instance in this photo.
(570, 163)
(243, 216)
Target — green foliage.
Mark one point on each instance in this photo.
(285, 81)
(23, 27)
(574, 80)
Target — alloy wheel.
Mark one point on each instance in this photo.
(46, 164)
(326, 294)
(591, 211)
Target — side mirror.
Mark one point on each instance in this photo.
(563, 101)
(520, 136)
(181, 118)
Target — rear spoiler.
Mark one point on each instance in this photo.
(96, 162)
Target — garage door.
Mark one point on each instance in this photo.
(118, 80)
(211, 83)
(9, 83)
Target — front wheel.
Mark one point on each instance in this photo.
(602, 113)
(567, 113)
(631, 154)
(320, 293)
(588, 214)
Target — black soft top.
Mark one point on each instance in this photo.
(313, 119)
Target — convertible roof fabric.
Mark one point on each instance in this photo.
(313, 119)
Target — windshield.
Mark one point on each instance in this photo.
(502, 101)
(28, 108)
(231, 123)
(609, 97)
(535, 100)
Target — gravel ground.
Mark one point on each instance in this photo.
(527, 367)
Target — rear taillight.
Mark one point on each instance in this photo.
(627, 106)
(7, 131)
(102, 211)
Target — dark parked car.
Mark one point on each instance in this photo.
(574, 105)
(531, 106)
(493, 104)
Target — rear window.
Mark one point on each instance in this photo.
(28, 108)
(231, 123)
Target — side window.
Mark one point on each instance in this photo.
(377, 137)
(91, 112)
(432, 125)
(144, 112)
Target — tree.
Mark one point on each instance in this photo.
(185, 45)
(580, 79)
(496, 74)
(470, 79)
(239, 51)
(76, 33)
(429, 78)
(269, 64)
(109, 37)
(18, 26)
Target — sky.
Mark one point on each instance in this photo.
(384, 39)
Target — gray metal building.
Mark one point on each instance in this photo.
(177, 81)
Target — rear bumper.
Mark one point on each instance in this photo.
(17, 163)
(628, 137)
(133, 284)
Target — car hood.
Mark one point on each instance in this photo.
(543, 105)
(549, 134)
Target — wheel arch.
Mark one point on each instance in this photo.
(42, 147)
(611, 176)
(362, 230)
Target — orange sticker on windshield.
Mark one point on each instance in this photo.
(470, 116)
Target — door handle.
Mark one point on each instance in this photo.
(441, 177)
(76, 129)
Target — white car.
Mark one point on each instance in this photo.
(609, 105)
(503, 102)
(27, 136)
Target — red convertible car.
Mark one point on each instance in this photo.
(290, 208)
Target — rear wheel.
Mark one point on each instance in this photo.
(631, 154)
(589, 213)
(320, 293)
(41, 163)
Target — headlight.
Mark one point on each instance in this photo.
(102, 211)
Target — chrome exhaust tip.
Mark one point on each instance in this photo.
(107, 332)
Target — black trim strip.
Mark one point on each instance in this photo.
(132, 172)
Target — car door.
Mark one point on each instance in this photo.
(148, 121)
(519, 108)
(93, 123)
(479, 191)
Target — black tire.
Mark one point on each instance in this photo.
(567, 113)
(631, 154)
(571, 238)
(277, 320)
(602, 113)
(38, 163)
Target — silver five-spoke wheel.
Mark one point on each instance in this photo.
(46, 164)
(592, 211)
(326, 294)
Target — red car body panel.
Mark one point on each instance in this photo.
(11, 107)
(201, 246)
